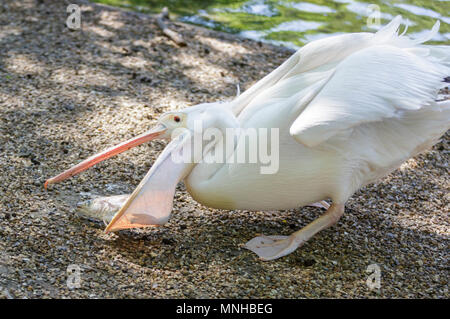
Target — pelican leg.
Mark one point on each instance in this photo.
(102, 208)
(273, 247)
(321, 204)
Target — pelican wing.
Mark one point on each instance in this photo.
(382, 81)
(314, 62)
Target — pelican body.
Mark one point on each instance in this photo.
(348, 110)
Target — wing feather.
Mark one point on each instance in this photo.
(319, 56)
(379, 82)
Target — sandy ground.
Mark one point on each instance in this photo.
(65, 95)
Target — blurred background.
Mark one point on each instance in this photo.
(293, 23)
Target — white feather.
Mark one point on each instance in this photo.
(349, 108)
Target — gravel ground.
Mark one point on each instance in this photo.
(64, 95)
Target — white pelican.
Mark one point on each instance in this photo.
(349, 109)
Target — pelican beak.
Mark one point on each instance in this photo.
(151, 202)
(122, 147)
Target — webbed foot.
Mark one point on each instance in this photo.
(272, 247)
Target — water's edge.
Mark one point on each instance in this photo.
(293, 23)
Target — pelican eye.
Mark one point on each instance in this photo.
(176, 119)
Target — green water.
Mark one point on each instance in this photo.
(294, 23)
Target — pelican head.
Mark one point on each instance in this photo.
(198, 117)
(151, 202)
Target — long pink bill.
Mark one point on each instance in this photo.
(151, 202)
(91, 161)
